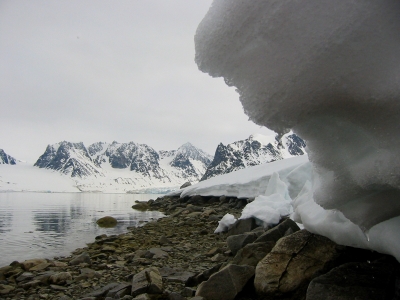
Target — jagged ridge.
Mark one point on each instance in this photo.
(255, 150)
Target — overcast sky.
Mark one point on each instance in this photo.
(88, 71)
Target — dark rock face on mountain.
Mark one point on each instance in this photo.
(6, 159)
(255, 150)
(188, 163)
(68, 158)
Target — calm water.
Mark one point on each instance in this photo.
(44, 225)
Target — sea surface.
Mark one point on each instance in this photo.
(47, 225)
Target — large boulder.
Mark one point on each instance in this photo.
(293, 263)
(367, 281)
(225, 284)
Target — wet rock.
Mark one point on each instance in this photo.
(367, 281)
(147, 281)
(107, 222)
(60, 278)
(278, 231)
(293, 262)
(225, 284)
(142, 206)
(252, 253)
(237, 242)
(40, 267)
(83, 258)
(28, 264)
(242, 226)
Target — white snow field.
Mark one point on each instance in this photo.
(330, 71)
(24, 177)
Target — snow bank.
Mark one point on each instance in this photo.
(330, 71)
(245, 183)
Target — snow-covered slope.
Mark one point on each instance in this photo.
(257, 149)
(6, 159)
(125, 167)
(26, 177)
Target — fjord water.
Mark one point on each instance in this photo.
(45, 225)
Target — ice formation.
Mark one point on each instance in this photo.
(330, 71)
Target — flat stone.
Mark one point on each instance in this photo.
(181, 277)
(102, 291)
(58, 287)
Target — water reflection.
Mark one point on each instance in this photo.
(34, 225)
(5, 221)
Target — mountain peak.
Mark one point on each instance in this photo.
(6, 159)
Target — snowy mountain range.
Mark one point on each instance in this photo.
(257, 149)
(124, 166)
(132, 167)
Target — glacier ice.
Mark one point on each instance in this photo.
(330, 71)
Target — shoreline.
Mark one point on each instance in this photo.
(180, 250)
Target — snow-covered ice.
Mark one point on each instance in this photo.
(225, 223)
(330, 71)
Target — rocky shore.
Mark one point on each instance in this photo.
(180, 257)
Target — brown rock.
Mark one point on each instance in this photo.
(293, 262)
(30, 263)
